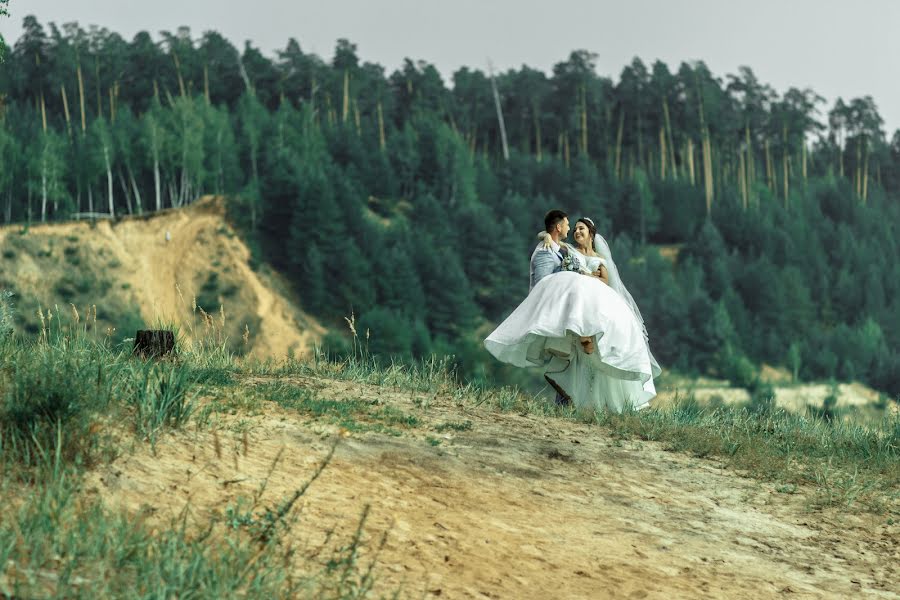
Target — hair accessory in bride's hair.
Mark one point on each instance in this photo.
(589, 221)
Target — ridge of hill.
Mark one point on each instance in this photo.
(160, 268)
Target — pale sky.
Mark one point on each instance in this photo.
(838, 48)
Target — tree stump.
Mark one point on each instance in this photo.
(153, 343)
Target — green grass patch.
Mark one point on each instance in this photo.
(51, 397)
(453, 426)
(352, 414)
(848, 465)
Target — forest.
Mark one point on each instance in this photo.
(751, 226)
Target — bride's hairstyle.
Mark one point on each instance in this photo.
(552, 219)
(592, 229)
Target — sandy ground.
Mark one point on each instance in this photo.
(519, 506)
(162, 276)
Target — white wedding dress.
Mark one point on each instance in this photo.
(545, 331)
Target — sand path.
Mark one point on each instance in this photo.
(521, 506)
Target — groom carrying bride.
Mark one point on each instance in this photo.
(549, 257)
(579, 323)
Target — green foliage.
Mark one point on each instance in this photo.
(388, 333)
(403, 202)
(52, 394)
(162, 394)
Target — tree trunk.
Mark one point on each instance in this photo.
(149, 343)
(62, 89)
(537, 132)
(134, 187)
(185, 179)
(662, 153)
(770, 175)
(640, 140)
(500, 116)
(690, 158)
(43, 113)
(858, 177)
(784, 161)
(669, 142)
(109, 181)
(707, 159)
(178, 73)
(584, 130)
(206, 84)
(97, 85)
(803, 161)
(751, 161)
(125, 191)
(566, 148)
(44, 183)
(345, 108)
(81, 99)
(841, 159)
(607, 137)
(381, 138)
(784, 164)
(157, 184)
(112, 107)
(619, 144)
(707, 172)
(865, 183)
(742, 179)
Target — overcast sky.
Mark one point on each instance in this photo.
(838, 48)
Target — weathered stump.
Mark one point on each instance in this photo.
(153, 343)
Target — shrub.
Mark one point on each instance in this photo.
(160, 393)
(51, 395)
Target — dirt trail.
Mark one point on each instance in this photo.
(521, 506)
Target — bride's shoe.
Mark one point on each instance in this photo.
(587, 344)
(562, 398)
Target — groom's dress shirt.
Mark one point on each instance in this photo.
(545, 261)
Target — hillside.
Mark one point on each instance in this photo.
(481, 503)
(137, 278)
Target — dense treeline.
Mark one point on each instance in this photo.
(414, 203)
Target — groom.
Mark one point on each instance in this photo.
(546, 261)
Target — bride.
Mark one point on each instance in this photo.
(584, 327)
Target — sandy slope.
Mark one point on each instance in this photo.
(153, 270)
(521, 506)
